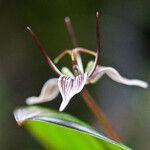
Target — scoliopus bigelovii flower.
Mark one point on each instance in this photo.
(71, 83)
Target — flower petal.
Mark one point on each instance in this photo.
(49, 92)
(69, 87)
(114, 75)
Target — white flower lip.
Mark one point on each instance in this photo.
(69, 87)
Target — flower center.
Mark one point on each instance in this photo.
(75, 57)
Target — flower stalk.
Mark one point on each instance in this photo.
(95, 109)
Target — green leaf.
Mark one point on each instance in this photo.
(60, 131)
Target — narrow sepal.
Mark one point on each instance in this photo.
(43, 52)
(97, 58)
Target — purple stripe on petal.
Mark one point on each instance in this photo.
(69, 87)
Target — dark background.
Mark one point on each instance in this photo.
(125, 37)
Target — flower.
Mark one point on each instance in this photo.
(71, 83)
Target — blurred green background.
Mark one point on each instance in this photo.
(125, 38)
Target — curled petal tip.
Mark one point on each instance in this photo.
(147, 85)
(49, 92)
(64, 103)
(143, 84)
(31, 100)
(61, 108)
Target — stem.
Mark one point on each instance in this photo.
(99, 115)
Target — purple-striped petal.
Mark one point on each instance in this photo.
(69, 87)
(49, 92)
(114, 75)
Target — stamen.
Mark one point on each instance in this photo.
(76, 50)
(76, 71)
(61, 55)
(43, 52)
(75, 67)
(74, 57)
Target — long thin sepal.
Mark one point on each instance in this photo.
(43, 52)
(98, 45)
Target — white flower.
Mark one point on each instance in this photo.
(71, 83)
